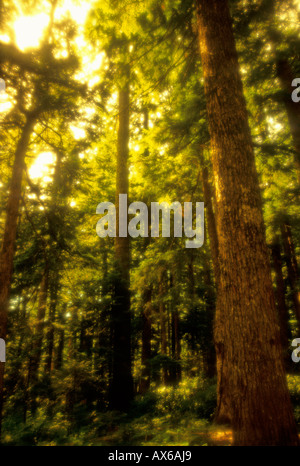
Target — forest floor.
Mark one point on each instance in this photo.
(166, 416)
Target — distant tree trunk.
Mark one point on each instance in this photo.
(121, 389)
(285, 75)
(147, 296)
(163, 331)
(292, 267)
(37, 340)
(246, 332)
(281, 304)
(209, 354)
(51, 321)
(176, 347)
(146, 341)
(9, 238)
(60, 349)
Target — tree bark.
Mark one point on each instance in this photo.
(10, 231)
(121, 388)
(246, 332)
(283, 312)
(292, 267)
(211, 224)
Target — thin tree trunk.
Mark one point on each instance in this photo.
(51, 321)
(146, 341)
(292, 267)
(176, 347)
(10, 230)
(249, 361)
(281, 304)
(60, 349)
(163, 332)
(36, 352)
(121, 389)
(209, 354)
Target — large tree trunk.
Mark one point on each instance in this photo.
(9, 238)
(211, 224)
(247, 332)
(121, 389)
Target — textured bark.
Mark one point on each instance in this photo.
(247, 331)
(283, 312)
(211, 224)
(292, 267)
(285, 75)
(9, 238)
(121, 388)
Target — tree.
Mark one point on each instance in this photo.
(249, 362)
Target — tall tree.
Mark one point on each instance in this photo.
(249, 361)
(121, 390)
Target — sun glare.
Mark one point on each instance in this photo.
(29, 30)
(42, 167)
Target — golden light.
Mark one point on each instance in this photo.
(29, 30)
(42, 167)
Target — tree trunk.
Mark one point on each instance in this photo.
(209, 353)
(60, 348)
(146, 341)
(163, 331)
(36, 349)
(176, 348)
(249, 361)
(211, 224)
(50, 331)
(292, 267)
(281, 304)
(9, 237)
(121, 389)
